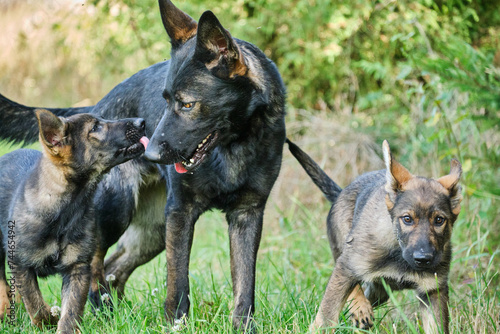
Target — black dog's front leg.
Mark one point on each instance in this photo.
(179, 239)
(245, 229)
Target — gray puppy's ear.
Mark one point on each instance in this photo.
(52, 130)
(450, 182)
(396, 175)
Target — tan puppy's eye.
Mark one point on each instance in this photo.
(439, 221)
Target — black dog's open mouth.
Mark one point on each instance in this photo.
(199, 154)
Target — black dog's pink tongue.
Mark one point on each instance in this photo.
(144, 141)
(179, 168)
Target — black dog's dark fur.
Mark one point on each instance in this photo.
(217, 88)
(46, 212)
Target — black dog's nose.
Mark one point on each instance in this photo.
(140, 123)
(423, 259)
(152, 154)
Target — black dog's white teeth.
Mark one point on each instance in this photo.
(201, 146)
(201, 151)
(188, 163)
(203, 142)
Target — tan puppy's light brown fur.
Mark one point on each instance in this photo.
(388, 225)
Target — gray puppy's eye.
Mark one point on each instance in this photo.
(97, 126)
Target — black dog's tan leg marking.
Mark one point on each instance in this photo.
(39, 311)
(74, 295)
(434, 307)
(338, 289)
(245, 230)
(98, 284)
(360, 309)
(179, 239)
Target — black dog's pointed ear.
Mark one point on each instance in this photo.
(396, 175)
(179, 26)
(217, 49)
(52, 130)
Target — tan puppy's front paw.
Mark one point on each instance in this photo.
(361, 313)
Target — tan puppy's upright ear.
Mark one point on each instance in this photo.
(450, 182)
(52, 130)
(396, 175)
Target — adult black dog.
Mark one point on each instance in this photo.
(218, 106)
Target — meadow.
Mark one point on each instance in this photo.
(422, 75)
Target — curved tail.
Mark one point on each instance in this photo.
(330, 189)
(18, 123)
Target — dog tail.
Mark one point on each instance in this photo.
(330, 189)
(18, 123)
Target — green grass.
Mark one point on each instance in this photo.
(6, 147)
(294, 265)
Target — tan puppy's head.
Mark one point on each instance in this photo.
(423, 212)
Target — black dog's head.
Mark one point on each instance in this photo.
(423, 212)
(87, 145)
(210, 90)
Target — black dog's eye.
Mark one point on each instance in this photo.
(439, 221)
(407, 220)
(96, 127)
(187, 106)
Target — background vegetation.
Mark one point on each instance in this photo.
(423, 74)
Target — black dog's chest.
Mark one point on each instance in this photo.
(221, 197)
(222, 186)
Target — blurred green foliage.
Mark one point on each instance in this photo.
(327, 51)
(424, 71)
